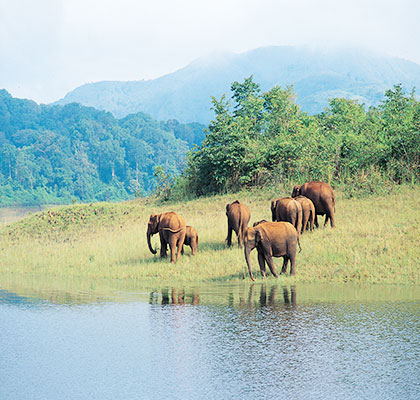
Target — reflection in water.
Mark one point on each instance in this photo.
(267, 296)
(289, 296)
(177, 296)
(236, 342)
(263, 344)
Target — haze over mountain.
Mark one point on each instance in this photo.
(316, 74)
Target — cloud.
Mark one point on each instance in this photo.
(48, 47)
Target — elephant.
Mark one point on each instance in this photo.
(238, 217)
(191, 239)
(171, 228)
(323, 197)
(259, 222)
(272, 239)
(308, 212)
(287, 209)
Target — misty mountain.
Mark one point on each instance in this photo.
(317, 75)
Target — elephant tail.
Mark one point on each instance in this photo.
(240, 221)
(172, 230)
(242, 225)
(300, 248)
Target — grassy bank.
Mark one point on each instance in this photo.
(376, 241)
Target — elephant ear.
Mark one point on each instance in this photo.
(154, 220)
(258, 236)
(296, 190)
(273, 204)
(158, 219)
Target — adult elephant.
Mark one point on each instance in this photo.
(287, 209)
(308, 212)
(171, 228)
(191, 239)
(238, 216)
(323, 197)
(272, 239)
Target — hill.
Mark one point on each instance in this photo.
(317, 75)
(60, 154)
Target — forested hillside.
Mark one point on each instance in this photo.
(60, 154)
(317, 76)
(262, 139)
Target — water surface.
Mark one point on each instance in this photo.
(214, 342)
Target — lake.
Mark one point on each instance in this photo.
(221, 341)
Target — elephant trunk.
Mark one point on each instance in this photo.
(149, 243)
(247, 252)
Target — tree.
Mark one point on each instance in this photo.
(8, 154)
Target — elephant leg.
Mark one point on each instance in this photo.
(229, 237)
(182, 250)
(173, 254)
(172, 247)
(292, 258)
(194, 247)
(179, 242)
(163, 245)
(312, 220)
(304, 223)
(261, 261)
(327, 217)
(271, 265)
(332, 218)
(284, 267)
(316, 221)
(240, 237)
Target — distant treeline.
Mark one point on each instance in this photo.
(264, 139)
(60, 154)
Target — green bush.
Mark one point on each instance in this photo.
(265, 139)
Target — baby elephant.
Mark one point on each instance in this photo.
(308, 212)
(272, 239)
(191, 239)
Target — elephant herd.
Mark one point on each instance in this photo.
(291, 216)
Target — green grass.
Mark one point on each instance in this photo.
(376, 241)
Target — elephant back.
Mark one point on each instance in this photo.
(280, 230)
(306, 202)
(283, 207)
(320, 193)
(172, 221)
(238, 213)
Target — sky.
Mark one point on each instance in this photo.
(50, 47)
